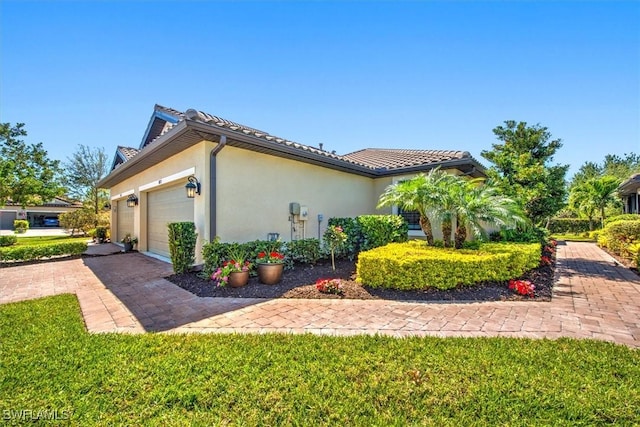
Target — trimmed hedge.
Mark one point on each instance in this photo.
(620, 237)
(416, 266)
(305, 251)
(41, 251)
(571, 225)
(182, 245)
(8, 240)
(623, 217)
(370, 231)
(20, 225)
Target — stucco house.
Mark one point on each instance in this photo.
(247, 184)
(45, 215)
(629, 191)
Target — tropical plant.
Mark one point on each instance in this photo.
(422, 193)
(478, 205)
(593, 195)
(335, 238)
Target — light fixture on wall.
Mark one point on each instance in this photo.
(193, 187)
(132, 201)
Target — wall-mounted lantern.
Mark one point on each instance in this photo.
(132, 201)
(193, 187)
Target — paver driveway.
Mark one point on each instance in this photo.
(593, 298)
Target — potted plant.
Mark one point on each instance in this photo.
(129, 242)
(234, 272)
(270, 267)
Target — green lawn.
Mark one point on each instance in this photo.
(49, 362)
(38, 240)
(573, 237)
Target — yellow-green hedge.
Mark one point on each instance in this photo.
(41, 251)
(415, 266)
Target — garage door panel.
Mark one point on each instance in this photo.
(125, 219)
(163, 207)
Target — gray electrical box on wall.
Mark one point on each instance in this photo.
(294, 208)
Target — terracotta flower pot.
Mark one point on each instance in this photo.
(238, 279)
(270, 274)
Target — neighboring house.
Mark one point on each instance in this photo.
(253, 185)
(629, 191)
(45, 215)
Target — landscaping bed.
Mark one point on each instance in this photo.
(299, 282)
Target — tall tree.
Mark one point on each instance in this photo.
(522, 169)
(27, 175)
(84, 169)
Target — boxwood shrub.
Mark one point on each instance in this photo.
(41, 251)
(571, 225)
(416, 266)
(8, 240)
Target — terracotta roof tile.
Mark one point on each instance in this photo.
(379, 158)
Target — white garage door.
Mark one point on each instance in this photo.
(125, 220)
(167, 205)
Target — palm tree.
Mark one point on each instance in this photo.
(479, 205)
(596, 194)
(423, 193)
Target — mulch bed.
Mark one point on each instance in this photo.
(300, 283)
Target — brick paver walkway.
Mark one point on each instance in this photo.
(593, 298)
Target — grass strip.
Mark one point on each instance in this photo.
(49, 362)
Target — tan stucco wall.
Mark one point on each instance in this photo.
(196, 157)
(255, 190)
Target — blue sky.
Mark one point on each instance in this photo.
(426, 75)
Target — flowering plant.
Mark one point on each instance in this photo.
(522, 287)
(545, 260)
(221, 275)
(330, 286)
(272, 257)
(128, 239)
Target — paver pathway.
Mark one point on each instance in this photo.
(594, 298)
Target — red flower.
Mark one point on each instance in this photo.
(545, 260)
(262, 255)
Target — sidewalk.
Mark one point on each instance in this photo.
(593, 298)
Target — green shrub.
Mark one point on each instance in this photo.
(182, 245)
(620, 236)
(352, 229)
(306, 251)
(101, 233)
(370, 231)
(41, 251)
(416, 266)
(379, 230)
(216, 253)
(571, 225)
(20, 225)
(623, 217)
(521, 235)
(8, 240)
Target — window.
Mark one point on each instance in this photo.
(412, 218)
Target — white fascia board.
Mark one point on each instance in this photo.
(171, 178)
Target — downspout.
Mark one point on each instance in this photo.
(213, 186)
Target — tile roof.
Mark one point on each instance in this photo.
(372, 159)
(128, 152)
(381, 158)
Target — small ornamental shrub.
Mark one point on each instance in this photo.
(20, 225)
(522, 287)
(101, 233)
(306, 251)
(8, 240)
(330, 286)
(416, 266)
(620, 236)
(334, 238)
(379, 230)
(41, 251)
(353, 230)
(182, 245)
